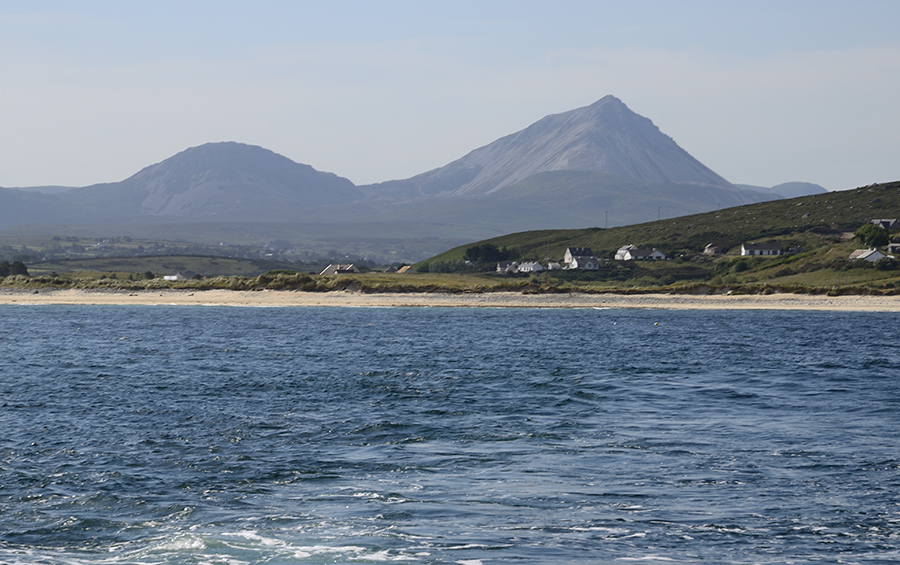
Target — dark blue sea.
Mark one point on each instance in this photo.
(216, 435)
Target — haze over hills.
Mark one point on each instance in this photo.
(594, 166)
(788, 189)
(44, 189)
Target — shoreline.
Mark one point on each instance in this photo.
(289, 298)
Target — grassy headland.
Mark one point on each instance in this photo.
(818, 231)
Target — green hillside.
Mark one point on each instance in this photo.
(188, 265)
(819, 229)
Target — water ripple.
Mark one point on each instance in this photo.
(217, 435)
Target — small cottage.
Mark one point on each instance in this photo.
(632, 253)
(507, 267)
(754, 249)
(572, 252)
(589, 263)
(870, 255)
(530, 267)
(712, 249)
(338, 269)
(890, 224)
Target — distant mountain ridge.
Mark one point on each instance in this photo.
(600, 165)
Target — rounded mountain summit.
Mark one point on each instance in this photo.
(225, 181)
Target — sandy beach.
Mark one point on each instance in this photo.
(275, 298)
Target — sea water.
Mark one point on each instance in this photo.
(215, 435)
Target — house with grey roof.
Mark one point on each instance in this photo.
(757, 249)
(712, 249)
(870, 255)
(338, 269)
(507, 267)
(634, 253)
(890, 224)
(584, 262)
(572, 252)
(530, 267)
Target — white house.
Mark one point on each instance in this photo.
(572, 252)
(760, 249)
(507, 267)
(175, 277)
(630, 253)
(579, 258)
(579, 262)
(553, 266)
(338, 269)
(712, 249)
(622, 252)
(530, 267)
(870, 255)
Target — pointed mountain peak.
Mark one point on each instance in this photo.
(607, 104)
(605, 137)
(608, 100)
(609, 115)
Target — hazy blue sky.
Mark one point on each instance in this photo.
(762, 92)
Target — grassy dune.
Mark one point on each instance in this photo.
(754, 281)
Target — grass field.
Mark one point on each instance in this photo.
(189, 265)
(649, 278)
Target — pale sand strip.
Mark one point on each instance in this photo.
(483, 300)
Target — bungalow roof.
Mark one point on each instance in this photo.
(762, 246)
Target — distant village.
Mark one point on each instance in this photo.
(581, 258)
(584, 257)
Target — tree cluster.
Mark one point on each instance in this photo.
(489, 253)
(12, 269)
(872, 235)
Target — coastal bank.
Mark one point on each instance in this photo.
(285, 298)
